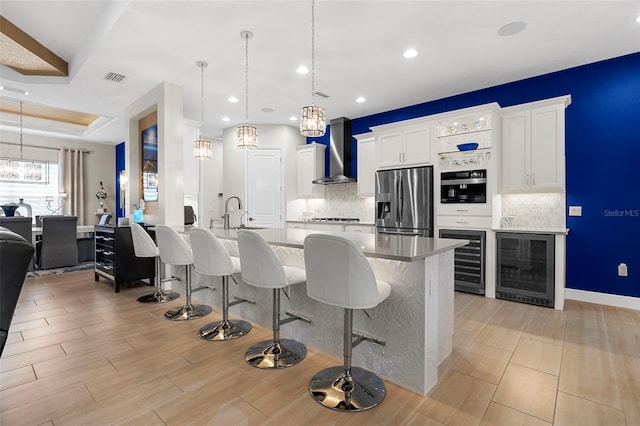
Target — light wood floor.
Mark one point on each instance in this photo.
(79, 354)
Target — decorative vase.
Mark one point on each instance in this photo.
(9, 209)
(21, 203)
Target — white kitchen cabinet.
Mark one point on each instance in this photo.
(363, 229)
(367, 165)
(465, 222)
(296, 225)
(464, 209)
(533, 146)
(332, 227)
(403, 144)
(310, 162)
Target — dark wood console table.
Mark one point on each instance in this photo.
(115, 258)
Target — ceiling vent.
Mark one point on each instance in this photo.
(322, 95)
(115, 77)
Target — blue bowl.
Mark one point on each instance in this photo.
(467, 146)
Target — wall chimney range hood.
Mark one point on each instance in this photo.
(339, 154)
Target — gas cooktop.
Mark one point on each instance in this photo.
(335, 219)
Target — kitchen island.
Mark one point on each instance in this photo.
(416, 321)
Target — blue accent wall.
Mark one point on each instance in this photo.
(120, 165)
(602, 161)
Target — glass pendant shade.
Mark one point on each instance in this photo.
(202, 149)
(247, 137)
(201, 146)
(313, 121)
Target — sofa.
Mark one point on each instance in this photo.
(15, 255)
(21, 226)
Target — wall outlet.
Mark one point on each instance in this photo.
(575, 210)
(622, 270)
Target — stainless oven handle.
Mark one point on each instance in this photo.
(463, 181)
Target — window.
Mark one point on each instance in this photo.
(33, 194)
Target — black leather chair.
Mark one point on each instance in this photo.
(21, 226)
(189, 215)
(59, 244)
(15, 255)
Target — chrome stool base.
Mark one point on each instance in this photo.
(272, 355)
(224, 330)
(158, 297)
(187, 312)
(330, 387)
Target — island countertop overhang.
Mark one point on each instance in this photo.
(384, 246)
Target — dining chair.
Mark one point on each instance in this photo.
(59, 245)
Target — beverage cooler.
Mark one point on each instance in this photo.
(526, 268)
(469, 261)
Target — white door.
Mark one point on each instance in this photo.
(264, 187)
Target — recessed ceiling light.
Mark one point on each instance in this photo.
(638, 19)
(410, 53)
(512, 28)
(233, 99)
(360, 99)
(302, 70)
(293, 118)
(226, 119)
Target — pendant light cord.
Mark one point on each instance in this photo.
(201, 100)
(21, 130)
(313, 51)
(246, 78)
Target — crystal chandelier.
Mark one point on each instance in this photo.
(21, 171)
(246, 135)
(313, 119)
(202, 147)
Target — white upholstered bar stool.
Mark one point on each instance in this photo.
(144, 246)
(212, 259)
(339, 274)
(174, 250)
(262, 268)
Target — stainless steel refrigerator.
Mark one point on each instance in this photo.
(404, 201)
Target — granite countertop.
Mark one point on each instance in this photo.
(384, 246)
(563, 231)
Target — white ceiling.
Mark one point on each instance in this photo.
(359, 46)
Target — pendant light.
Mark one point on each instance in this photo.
(313, 119)
(247, 135)
(202, 147)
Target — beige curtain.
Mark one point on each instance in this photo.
(71, 169)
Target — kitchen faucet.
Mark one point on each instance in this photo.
(246, 212)
(225, 217)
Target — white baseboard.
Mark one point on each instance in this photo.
(603, 298)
